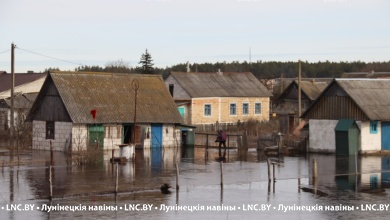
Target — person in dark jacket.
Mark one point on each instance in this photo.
(221, 138)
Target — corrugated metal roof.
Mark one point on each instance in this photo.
(371, 95)
(226, 84)
(112, 95)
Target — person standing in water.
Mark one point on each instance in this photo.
(221, 138)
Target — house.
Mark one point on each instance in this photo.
(286, 104)
(27, 86)
(365, 101)
(207, 98)
(24, 82)
(75, 110)
(22, 105)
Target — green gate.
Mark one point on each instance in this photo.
(96, 135)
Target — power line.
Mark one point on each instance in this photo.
(79, 64)
(5, 51)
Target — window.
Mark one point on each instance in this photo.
(245, 109)
(257, 108)
(373, 127)
(233, 110)
(171, 87)
(207, 110)
(181, 111)
(50, 130)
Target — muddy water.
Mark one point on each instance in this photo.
(246, 192)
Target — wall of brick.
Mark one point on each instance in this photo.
(220, 109)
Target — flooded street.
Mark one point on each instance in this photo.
(246, 192)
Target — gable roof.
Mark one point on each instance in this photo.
(226, 84)
(26, 88)
(20, 78)
(112, 95)
(21, 101)
(372, 96)
(310, 89)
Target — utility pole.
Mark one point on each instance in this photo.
(299, 92)
(135, 83)
(12, 89)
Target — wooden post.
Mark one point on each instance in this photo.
(116, 182)
(356, 164)
(207, 141)
(273, 171)
(221, 165)
(269, 170)
(51, 183)
(177, 177)
(299, 185)
(273, 186)
(112, 156)
(299, 92)
(315, 182)
(51, 154)
(314, 170)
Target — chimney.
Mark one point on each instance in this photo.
(219, 72)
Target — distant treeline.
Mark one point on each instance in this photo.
(261, 69)
(273, 69)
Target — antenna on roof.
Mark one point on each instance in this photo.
(250, 55)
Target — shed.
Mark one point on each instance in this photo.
(347, 137)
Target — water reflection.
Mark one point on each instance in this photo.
(245, 182)
(369, 174)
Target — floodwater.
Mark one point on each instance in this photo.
(87, 192)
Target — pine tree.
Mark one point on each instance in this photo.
(146, 63)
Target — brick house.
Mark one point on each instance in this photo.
(205, 98)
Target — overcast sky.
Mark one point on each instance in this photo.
(94, 32)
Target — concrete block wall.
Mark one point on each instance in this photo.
(171, 136)
(370, 143)
(322, 137)
(79, 137)
(112, 136)
(62, 136)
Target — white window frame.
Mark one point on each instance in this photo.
(235, 108)
(248, 108)
(204, 110)
(261, 108)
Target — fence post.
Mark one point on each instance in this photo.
(177, 177)
(51, 183)
(273, 171)
(116, 181)
(221, 165)
(269, 170)
(315, 182)
(207, 141)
